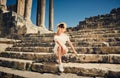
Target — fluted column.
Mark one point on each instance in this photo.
(3, 3)
(51, 15)
(41, 13)
(28, 7)
(20, 7)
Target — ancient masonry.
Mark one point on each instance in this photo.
(24, 9)
(3, 3)
(101, 21)
(32, 56)
(18, 17)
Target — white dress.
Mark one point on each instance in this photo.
(62, 38)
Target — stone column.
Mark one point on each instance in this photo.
(28, 7)
(51, 15)
(3, 3)
(20, 7)
(1, 26)
(41, 13)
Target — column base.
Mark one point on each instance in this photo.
(31, 28)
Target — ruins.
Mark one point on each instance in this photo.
(101, 21)
(96, 40)
(17, 18)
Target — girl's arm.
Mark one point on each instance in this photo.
(71, 45)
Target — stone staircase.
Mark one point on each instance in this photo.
(98, 56)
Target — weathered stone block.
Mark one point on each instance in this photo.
(114, 58)
(44, 68)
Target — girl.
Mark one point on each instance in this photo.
(60, 39)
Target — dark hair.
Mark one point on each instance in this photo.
(61, 26)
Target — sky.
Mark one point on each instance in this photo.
(73, 11)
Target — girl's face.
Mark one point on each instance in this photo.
(63, 30)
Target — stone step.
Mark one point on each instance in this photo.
(34, 44)
(94, 31)
(51, 57)
(36, 39)
(46, 57)
(15, 63)
(83, 69)
(40, 35)
(96, 35)
(50, 39)
(96, 44)
(30, 49)
(76, 44)
(84, 35)
(81, 50)
(98, 50)
(108, 39)
(12, 73)
(77, 33)
(8, 41)
(101, 29)
(81, 32)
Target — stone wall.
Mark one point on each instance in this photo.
(101, 21)
(15, 20)
(1, 28)
(3, 4)
(15, 26)
(11, 24)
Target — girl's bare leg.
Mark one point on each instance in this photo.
(63, 51)
(59, 54)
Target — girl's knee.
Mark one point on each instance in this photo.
(59, 48)
(63, 51)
